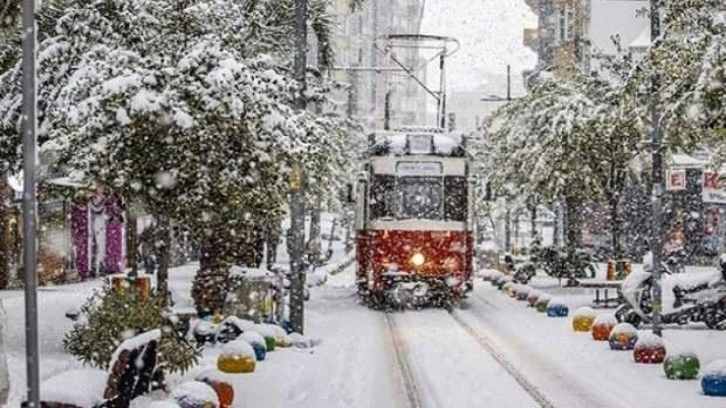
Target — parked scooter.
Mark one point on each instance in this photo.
(702, 302)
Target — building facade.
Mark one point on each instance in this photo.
(370, 78)
(573, 34)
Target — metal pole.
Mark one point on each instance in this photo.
(658, 187)
(30, 256)
(297, 205)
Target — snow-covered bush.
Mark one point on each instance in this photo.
(109, 317)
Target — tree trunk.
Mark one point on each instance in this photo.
(212, 283)
(615, 227)
(163, 246)
(314, 241)
(5, 237)
(556, 230)
(132, 243)
(573, 230)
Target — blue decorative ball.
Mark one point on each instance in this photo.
(557, 310)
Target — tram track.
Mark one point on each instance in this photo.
(487, 344)
(410, 385)
(578, 388)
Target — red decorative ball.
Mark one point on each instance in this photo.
(650, 349)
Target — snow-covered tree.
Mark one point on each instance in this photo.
(184, 105)
(570, 140)
(688, 60)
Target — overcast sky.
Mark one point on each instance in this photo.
(490, 33)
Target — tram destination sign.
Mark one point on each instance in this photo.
(419, 169)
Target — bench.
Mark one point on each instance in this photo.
(131, 373)
(602, 292)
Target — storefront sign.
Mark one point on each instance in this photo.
(676, 180)
(713, 188)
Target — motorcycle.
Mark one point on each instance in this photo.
(555, 264)
(704, 301)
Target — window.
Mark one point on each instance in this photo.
(455, 203)
(382, 196)
(419, 198)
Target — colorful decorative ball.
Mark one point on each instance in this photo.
(682, 366)
(713, 380)
(195, 394)
(583, 318)
(280, 334)
(623, 337)
(650, 349)
(542, 303)
(557, 308)
(602, 326)
(257, 342)
(532, 297)
(268, 334)
(236, 357)
(503, 281)
(523, 293)
(224, 390)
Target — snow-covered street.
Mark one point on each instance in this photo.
(492, 351)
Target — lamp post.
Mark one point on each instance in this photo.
(297, 205)
(508, 213)
(30, 256)
(658, 184)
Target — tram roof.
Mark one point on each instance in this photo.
(417, 141)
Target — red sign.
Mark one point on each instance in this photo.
(676, 180)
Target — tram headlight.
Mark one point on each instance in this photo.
(418, 259)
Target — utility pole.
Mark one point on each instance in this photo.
(30, 228)
(658, 187)
(297, 204)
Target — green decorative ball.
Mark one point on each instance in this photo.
(542, 304)
(682, 367)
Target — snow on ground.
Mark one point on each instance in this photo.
(450, 368)
(356, 365)
(551, 354)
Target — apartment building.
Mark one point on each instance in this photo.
(370, 77)
(574, 33)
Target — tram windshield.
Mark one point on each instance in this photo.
(417, 197)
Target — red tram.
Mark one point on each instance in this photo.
(414, 219)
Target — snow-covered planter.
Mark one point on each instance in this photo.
(257, 342)
(650, 349)
(299, 341)
(583, 318)
(268, 334)
(557, 308)
(502, 281)
(195, 394)
(542, 303)
(490, 275)
(508, 286)
(532, 297)
(623, 337)
(523, 293)
(275, 332)
(236, 357)
(681, 365)
(602, 326)
(713, 380)
(223, 389)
